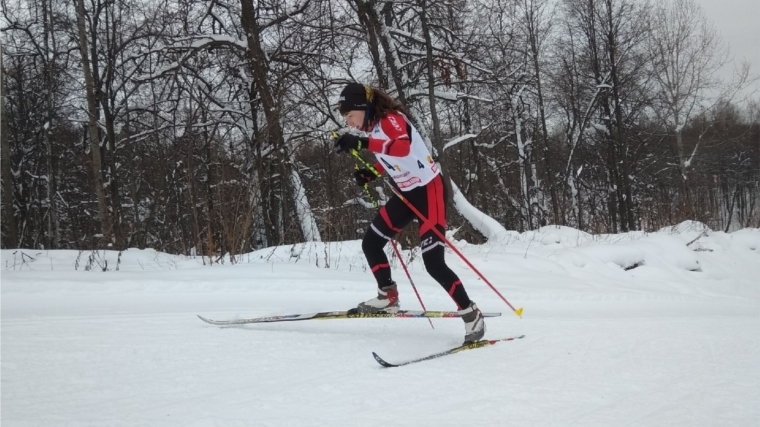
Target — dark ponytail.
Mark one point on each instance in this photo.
(384, 104)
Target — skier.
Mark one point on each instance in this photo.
(402, 153)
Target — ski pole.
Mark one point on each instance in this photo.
(396, 251)
(517, 311)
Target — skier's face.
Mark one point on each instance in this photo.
(355, 118)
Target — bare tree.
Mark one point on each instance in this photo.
(536, 26)
(106, 222)
(9, 215)
(686, 54)
(37, 25)
(600, 86)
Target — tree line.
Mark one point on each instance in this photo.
(203, 126)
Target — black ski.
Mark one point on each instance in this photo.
(349, 314)
(471, 346)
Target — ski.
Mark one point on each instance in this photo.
(348, 314)
(471, 346)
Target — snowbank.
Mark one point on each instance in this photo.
(688, 258)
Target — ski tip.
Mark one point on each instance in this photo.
(518, 312)
(509, 339)
(382, 362)
(209, 321)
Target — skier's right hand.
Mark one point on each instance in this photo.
(363, 176)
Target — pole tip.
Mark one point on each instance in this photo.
(518, 312)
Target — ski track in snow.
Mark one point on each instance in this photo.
(653, 346)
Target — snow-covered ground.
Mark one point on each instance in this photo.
(659, 329)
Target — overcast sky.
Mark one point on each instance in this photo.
(738, 21)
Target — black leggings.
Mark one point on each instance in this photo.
(394, 216)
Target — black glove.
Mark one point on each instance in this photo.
(364, 176)
(349, 141)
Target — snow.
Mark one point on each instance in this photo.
(598, 127)
(457, 140)
(443, 94)
(219, 38)
(658, 344)
(158, 72)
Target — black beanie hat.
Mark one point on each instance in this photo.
(355, 96)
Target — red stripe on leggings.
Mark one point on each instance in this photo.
(454, 286)
(441, 202)
(435, 205)
(387, 220)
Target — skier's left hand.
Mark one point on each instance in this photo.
(349, 141)
(364, 176)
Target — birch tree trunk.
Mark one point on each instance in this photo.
(522, 160)
(113, 176)
(303, 209)
(48, 68)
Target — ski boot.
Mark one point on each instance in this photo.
(385, 302)
(474, 325)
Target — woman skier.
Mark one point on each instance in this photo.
(402, 153)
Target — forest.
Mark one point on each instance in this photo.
(203, 127)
